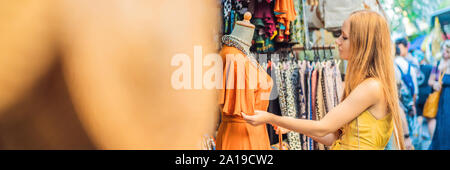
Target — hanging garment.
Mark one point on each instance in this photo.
(339, 82)
(296, 84)
(302, 99)
(234, 133)
(294, 137)
(227, 7)
(313, 99)
(274, 106)
(320, 108)
(308, 97)
(329, 86)
(337, 11)
(285, 13)
(309, 145)
(297, 28)
(262, 42)
(325, 111)
(314, 92)
(324, 89)
(265, 27)
(263, 11)
(251, 6)
(282, 92)
(302, 91)
(315, 15)
(306, 90)
(281, 88)
(338, 88)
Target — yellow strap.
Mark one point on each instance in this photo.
(442, 76)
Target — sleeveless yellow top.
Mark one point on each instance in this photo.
(374, 134)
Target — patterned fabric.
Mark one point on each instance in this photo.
(226, 16)
(294, 137)
(297, 28)
(339, 85)
(324, 89)
(264, 12)
(329, 86)
(313, 99)
(302, 89)
(296, 84)
(295, 87)
(320, 107)
(324, 99)
(281, 89)
(335, 87)
(309, 145)
(274, 104)
(284, 145)
(302, 99)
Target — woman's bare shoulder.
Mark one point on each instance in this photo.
(372, 84)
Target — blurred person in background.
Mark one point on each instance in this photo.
(406, 76)
(441, 136)
(424, 91)
(82, 74)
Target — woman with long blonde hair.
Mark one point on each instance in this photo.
(369, 111)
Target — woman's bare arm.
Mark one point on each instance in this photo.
(327, 140)
(367, 94)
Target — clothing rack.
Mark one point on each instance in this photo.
(317, 53)
(314, 48)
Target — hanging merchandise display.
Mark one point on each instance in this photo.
(338, 11)
(315, 15)
(264, 21)
(233, 10)
(436, 39)
(297, 26)
(285, 13)
(330, 14)
(308, 87)
(288, 105)
(305, 81)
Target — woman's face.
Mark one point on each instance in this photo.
(343, 42)
(446, 53)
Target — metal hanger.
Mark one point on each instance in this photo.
(316, 53)
(331, 52)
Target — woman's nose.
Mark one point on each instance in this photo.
(337, 42)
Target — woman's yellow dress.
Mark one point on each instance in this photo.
(374, 134)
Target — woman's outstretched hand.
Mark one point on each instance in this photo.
(259, 118)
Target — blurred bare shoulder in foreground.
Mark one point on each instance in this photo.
(82, 74)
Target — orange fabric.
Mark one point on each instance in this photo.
(286, 7)
(245, 89)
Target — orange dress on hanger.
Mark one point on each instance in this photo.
(288, 13)
(241, 93)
